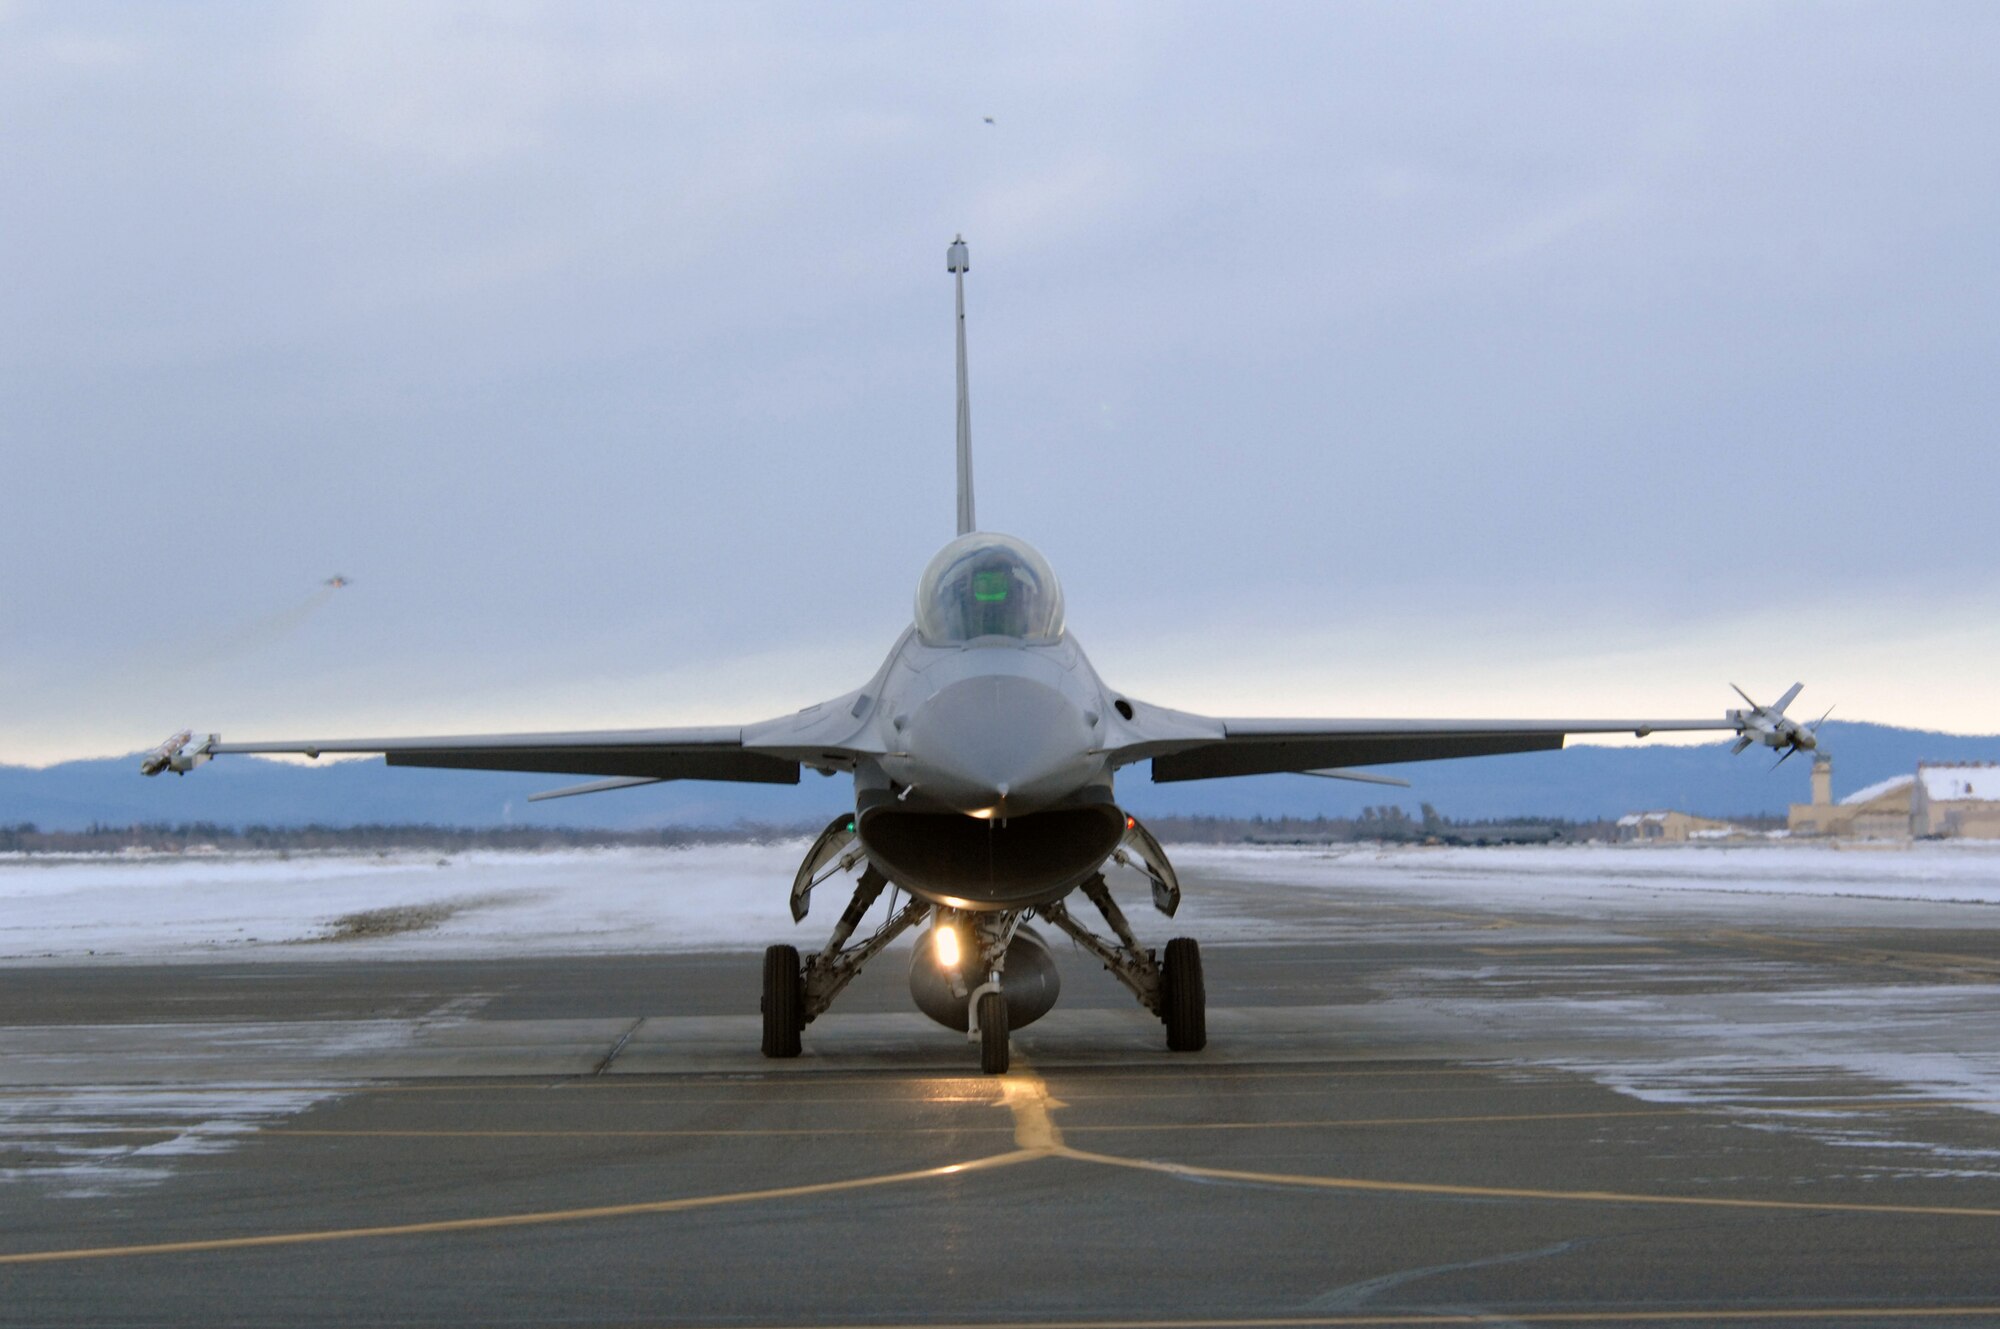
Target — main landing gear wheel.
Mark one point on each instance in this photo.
(993, 1033)
(784, 1001)
(1184, 998)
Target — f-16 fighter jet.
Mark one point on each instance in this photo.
(985, 754)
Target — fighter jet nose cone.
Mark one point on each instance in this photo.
(999, 745)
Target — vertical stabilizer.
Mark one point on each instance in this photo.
(956, 263)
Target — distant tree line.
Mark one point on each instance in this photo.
(1393, 825)
(200, 836)
(1387, 824)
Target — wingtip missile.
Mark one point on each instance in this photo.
(1770, 726)
(174, 754)
(162, 756)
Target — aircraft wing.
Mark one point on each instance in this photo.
(824, 736)
(1190, 747)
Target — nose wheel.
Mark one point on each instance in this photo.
(993, 1048)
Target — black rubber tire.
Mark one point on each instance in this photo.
(1184, 997)
(993, 1033)
(784, 1001)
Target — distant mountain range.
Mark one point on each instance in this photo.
(1581, 783)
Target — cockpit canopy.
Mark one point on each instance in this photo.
(987, 585)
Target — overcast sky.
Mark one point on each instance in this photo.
(1344, 359)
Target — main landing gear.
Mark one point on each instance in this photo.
(1172, 990)
(797, 994)
(1169, 985)
(784, 1001)
(1184, 1000)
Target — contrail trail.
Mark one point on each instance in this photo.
(259, 633)
(177, 665)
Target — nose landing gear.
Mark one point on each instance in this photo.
(989, 1022)
(991, 1012)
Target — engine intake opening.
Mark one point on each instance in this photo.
(970, 863)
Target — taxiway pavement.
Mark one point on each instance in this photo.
(1484, 1113)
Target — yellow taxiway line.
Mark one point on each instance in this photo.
(1612, 950)
(1518, 1192)
(1026, 1097)
(1763, 1315)
(521, 1220)
(665, 1133)
(1328, 1123)
(729, 1132)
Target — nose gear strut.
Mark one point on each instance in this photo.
(986, 1009)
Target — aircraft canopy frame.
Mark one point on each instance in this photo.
(988, 585)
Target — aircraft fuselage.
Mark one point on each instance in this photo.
(992, 790)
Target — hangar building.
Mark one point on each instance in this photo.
(1671, 828)
(1958, 799)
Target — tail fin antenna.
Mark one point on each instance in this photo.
(956, 263)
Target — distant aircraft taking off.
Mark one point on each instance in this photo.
(984, 754)
(336, 581)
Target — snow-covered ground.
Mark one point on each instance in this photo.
(268, 907)
(1965, 872)
(734, 896)
(78, 1142)
(1526, 975)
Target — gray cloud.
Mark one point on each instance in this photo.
(1535, 358)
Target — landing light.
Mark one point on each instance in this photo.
(947, 945)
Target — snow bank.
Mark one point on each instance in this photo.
(252, 907)
(734, 896)
(1944, 872)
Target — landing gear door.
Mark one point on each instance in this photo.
(826, 857)
(1139, 849)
